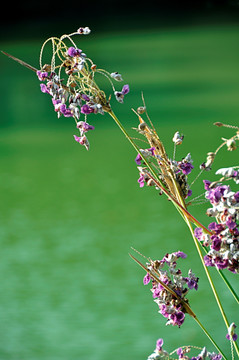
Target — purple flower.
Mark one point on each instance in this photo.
(180, 254)
(215, 195)
(159, 344)
(177, 318)
(84, 126)
(198, 233)
(145, 152)
(236, 196)
(120, 94)
(208, 261)
(192, 281)
(146, 279)
(44, 88)
(85, 97)
(180, 353)
(230, 224)
(216, 243)
(189, 193)
(141, 180)
(72, 52)
(157, 291)
(186, 167)
(207, 184)
(82, 140)
(85, 109)
(42, 75)
(65, 111)
(125, 89)
(221, 263)
(138, 159)
(216, 228)
(234, 337)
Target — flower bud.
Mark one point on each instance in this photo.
(141, 109)
(142, 126)
(210, 159)
(177, 139)
(231, 144)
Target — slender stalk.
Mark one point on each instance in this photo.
(229, 285)
(210, 338)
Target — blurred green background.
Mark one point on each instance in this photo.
(68, 288)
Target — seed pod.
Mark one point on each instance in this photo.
(142, 126)
(141, 109)
(47, 68)
(210, 159)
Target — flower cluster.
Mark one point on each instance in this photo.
(159, 353)
(77, 94)
(180, 170)
(229, 173)
(223, 239)
(169, 287)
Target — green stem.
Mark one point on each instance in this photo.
(229, 285)
(210, 338)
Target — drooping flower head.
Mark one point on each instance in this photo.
(169, 287)
(75, 92)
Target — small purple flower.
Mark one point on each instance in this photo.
(159, 344)
(215, 195)
(65, 111)
(208, 260)
(236, 196)
(221, 263)
(230, 224)
(141, 180)
(180, 254)
(145, 152)
(85, 109)
(186, 167)
(42, 75)
(120, 94)
(72, 52)
(147, 279)
(84, 126)
(216, 243)
(82, 140)
(192, 280)
(138, 159)
(125, 89)
(207, 184)
(85, 97)
(198, 233)
(157, 291)
(44, 88)
(180, 353)
(216, 228)
(177, 318)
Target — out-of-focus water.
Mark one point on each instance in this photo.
(68, 288)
